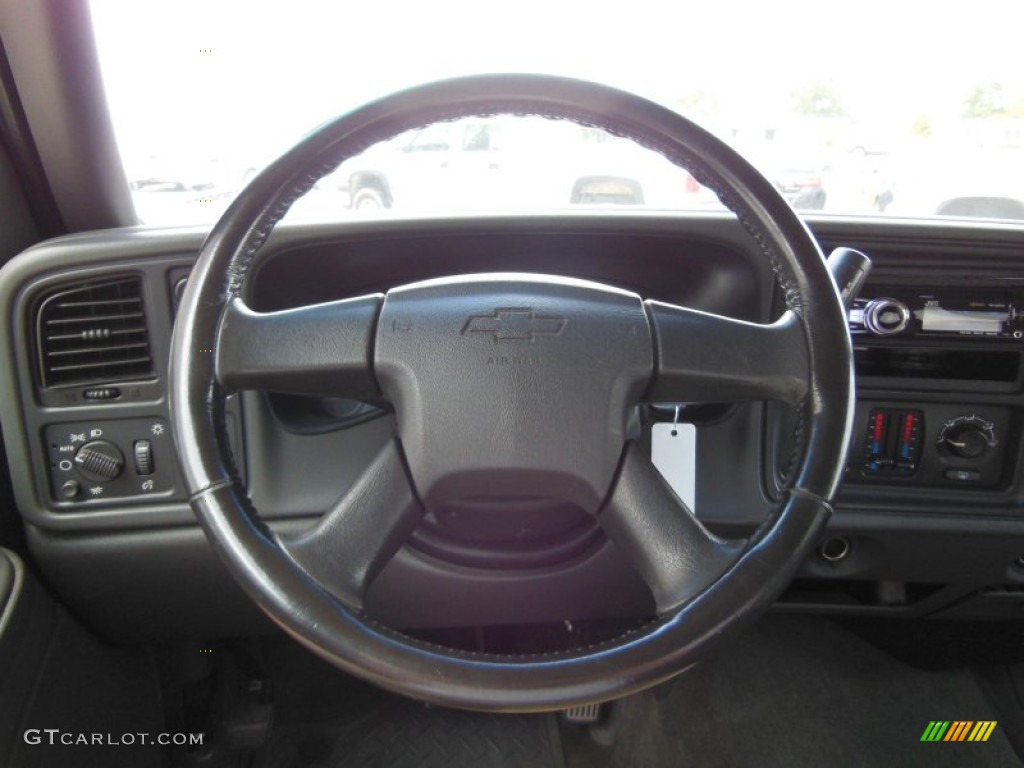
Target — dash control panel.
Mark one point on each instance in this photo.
(94, 462)
(933, 444)
(893, 442)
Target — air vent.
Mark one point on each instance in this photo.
(93, 333)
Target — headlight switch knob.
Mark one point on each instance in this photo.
(99, 461)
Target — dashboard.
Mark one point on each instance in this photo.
(930, 519)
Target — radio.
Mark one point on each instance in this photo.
(939, 313)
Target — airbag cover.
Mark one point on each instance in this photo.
(552, 365)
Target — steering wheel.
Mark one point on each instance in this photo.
(550, 418)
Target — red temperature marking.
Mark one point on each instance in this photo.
(908, 428)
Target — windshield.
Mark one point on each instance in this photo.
(874, 109)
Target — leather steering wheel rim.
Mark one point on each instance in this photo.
(813, 341)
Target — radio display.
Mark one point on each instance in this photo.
(938, 320)
(984, 312)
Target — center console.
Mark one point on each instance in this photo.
(938, 368)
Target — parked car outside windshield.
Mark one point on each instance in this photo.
(511, 162)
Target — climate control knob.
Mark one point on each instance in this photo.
(967, 437)
(886, 317)
(99, 461)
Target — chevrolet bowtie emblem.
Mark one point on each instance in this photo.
(519, 324)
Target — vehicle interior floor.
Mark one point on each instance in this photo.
(794, 691)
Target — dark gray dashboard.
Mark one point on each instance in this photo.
(133, 560)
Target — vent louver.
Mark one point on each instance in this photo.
(93, 333)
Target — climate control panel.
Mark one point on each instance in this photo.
(893, 442)
(941, 445)
(111, 459)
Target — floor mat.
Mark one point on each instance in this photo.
(796, 692)
(792, 692)
(405, 734)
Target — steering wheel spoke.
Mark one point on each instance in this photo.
(321, 349)
(704, 357)
(353, 541)
(660, 537)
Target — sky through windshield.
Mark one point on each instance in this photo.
(193, 83)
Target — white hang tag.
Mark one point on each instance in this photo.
(674, 453)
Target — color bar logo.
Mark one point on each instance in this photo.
(958, 730)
